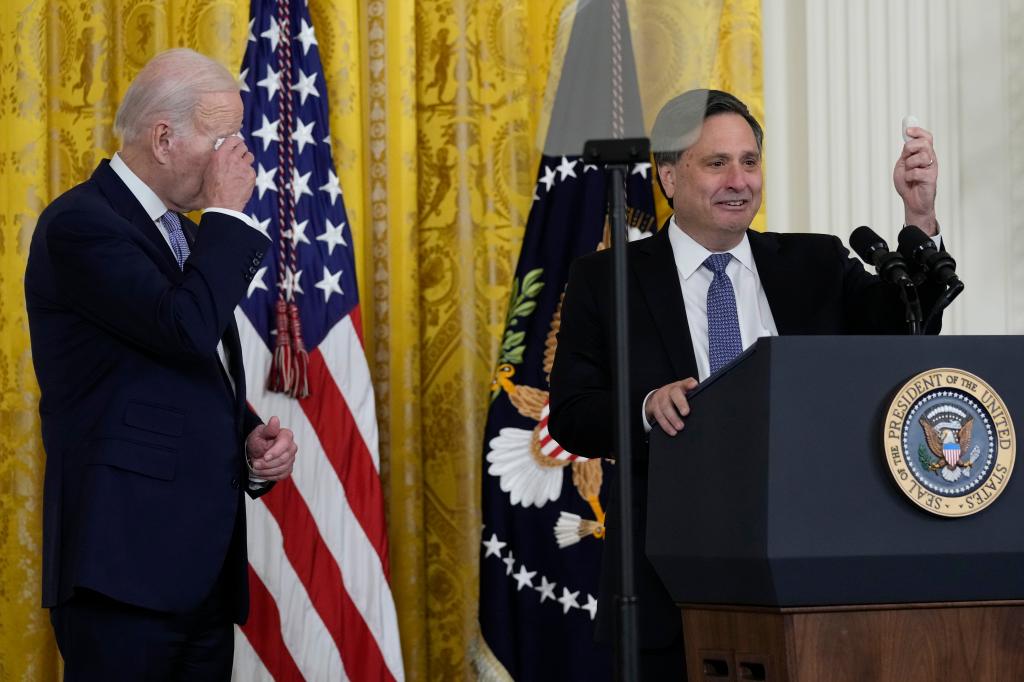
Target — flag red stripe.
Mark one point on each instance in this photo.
(320, 574)
(329, 414)
(263, 630)
(357, 322)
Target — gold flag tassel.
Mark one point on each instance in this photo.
(279, 379)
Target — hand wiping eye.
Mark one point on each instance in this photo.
(220, 140)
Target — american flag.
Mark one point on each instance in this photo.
(321, 603)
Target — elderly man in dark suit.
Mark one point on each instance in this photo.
(701, 290)
(148, 437)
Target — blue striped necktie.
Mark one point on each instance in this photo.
(724, 340)
(179, 245)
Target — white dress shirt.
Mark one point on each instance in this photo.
(755, 315)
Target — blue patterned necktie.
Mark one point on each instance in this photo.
(179, 244)
(724, 340)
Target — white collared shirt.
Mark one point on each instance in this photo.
(753, 311)
(755, 315)
(155, 208)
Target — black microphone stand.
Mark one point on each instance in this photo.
(912, 305)
(953, 289)
(891, 267)
(917, 247)
(616, 155)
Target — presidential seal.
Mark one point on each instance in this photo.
(949, 442)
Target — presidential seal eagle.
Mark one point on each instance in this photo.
(949, 445)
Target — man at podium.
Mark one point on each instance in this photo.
(703, 289)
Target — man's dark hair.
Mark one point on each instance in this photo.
(679, 122)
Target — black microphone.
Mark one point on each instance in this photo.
(917, 247)
(872, 249)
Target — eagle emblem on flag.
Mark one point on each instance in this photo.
(530, 463)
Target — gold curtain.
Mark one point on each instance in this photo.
(435, 108)
(712, 44)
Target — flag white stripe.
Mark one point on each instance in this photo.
(345, 360)
(248, 666)
(303, 631)
(318, 484)
(550, 447)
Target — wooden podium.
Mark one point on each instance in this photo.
(774, 522)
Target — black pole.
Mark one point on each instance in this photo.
(615, 155)
(912, 308)
(627, 587)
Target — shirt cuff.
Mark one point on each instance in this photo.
(237, 214)
(257, 484)
(643, 412)
(255, 480)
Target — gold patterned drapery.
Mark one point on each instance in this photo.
(435, 111)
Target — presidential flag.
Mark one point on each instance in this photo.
(321, 603)
(543, 506)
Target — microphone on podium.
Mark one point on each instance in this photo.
(917, 247)
(889, 265)
(938, 266)
(892, 268)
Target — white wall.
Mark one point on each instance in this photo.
(839, 77)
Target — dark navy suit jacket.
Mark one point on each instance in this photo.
(144, 437)
(813, 286)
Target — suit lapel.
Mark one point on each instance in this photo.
(781, 287)
(654, 268)
(128, 207)
(230, 339)
(190, 229)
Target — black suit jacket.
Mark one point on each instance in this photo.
(813, 286)
(144, 437)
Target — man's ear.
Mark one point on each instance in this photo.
(667, 179)
(161, 140)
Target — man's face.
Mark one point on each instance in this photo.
(218, 115)
(715, 186)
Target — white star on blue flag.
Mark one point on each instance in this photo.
(318, 230)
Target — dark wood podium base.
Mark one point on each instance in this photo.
(980, 642)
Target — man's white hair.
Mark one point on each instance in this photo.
(170, 86)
